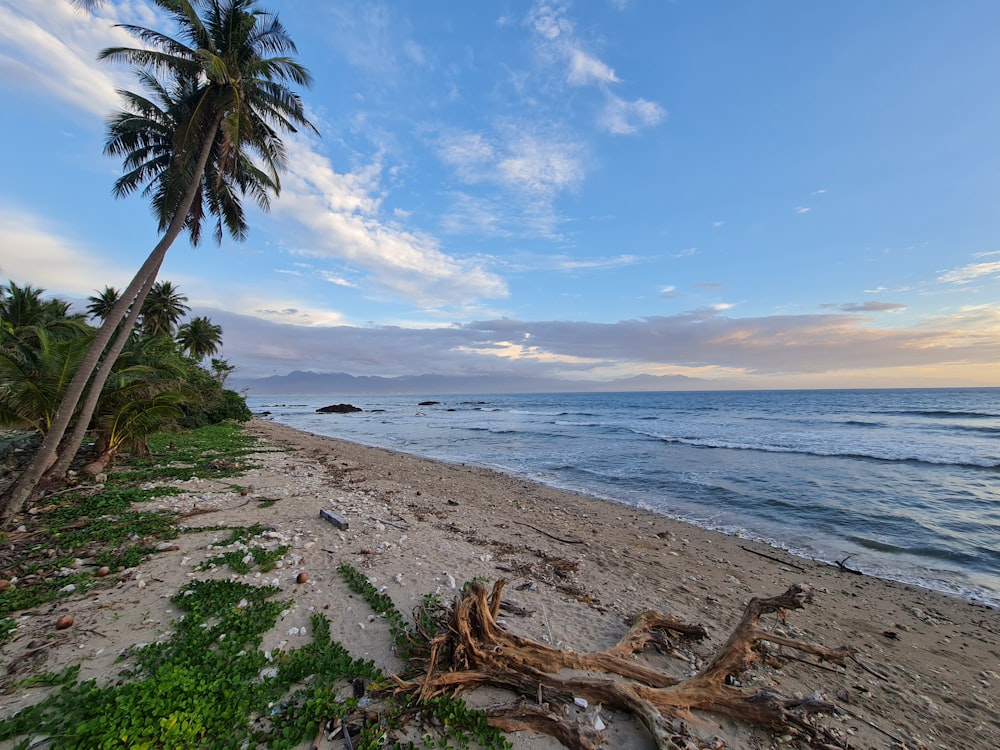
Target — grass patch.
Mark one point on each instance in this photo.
(243, 560)
(214, 451)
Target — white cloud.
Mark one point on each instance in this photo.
(548, 19)
(801, 210)
(971, 272)
(470, 154)
(625, 118)
(337, 280)
(37, 254)
(568, 264)
(540, 165)
(341, 210)
(520, 159)
(584, 69)
(52, 47)
(560, 46)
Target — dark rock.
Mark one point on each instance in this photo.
(337, 409)
(428, 403)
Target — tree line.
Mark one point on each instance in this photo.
(158, 381)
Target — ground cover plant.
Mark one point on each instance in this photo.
(59, 548)
(210, 683)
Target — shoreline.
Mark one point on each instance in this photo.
(926, 525)
(927, 670)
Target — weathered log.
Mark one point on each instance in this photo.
(476, 651)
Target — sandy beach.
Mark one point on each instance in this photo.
(926, 675)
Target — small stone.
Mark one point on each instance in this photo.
(302, 577)
(103, 571)
(64, 622)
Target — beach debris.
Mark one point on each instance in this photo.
(339, 521)
(774, 559)
(473, 651)
(842, 564)
(401, 527)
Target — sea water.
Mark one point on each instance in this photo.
(902, 484)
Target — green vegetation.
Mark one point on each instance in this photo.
(102, 525)
(206, 685)
(244, 560)
(210, 683)
(152, 386)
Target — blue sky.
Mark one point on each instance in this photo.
(748, 194)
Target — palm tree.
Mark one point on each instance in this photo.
(101, 306)
(141, 395)
(22, 306)
(34, 375)
(199, 337)
(163, 309)
(208, 137)
(23, 313)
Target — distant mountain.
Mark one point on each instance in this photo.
(300, 383)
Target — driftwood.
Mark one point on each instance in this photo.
(476, 651)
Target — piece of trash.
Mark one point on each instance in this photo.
(581, 702)
(338, 521)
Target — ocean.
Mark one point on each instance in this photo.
(902, 484)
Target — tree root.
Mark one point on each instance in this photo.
(476, 651)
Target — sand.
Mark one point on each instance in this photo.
(928, 669)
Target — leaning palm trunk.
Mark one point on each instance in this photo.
(46, 456)
(72, 444)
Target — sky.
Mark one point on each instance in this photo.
(766, 194)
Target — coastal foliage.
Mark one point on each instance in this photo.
(152, 385)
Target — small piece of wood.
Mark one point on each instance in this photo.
(773, 559)
(338, 521)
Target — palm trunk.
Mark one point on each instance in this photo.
(46, 456)
(72, 445)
